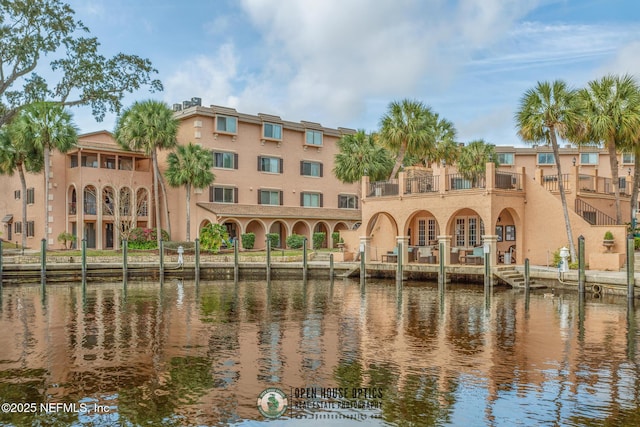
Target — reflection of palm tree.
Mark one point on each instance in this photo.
(272, 403)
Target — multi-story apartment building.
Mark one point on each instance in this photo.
(271, 176)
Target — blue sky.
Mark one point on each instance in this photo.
(340, 62)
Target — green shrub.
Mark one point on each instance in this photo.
(608, 235)
(65, 237)
(274, 240)
(248, 240)
(212, 236)
(295, 241)
(145, 238)
(318, 240)
(636, 243)
(335, 237)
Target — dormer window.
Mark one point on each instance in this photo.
(226, 124)
(314, 137)
(272, 131)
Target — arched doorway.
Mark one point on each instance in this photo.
(382, 229)
(321, 227)
(258, 229)
(279, 228)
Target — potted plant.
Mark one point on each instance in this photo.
(341, 244)
(608, 240)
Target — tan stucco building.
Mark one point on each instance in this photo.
(515, 207)
(272, 176)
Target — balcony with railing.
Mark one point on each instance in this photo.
(428, 182)
(422, 184)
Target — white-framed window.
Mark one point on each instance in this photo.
(347, 201)
(225, 160)
(269, 164)
(431, 232)
(313, 137)
(220, 194)
(422, 232)
(473, 231)
(546, 159)
(460, 232)
(311, 200)
(469, 231)
(506, 158)
(628, 158)
(588, 158)
(310, 168)
(226, 124)
(272, 130)
(269, 197)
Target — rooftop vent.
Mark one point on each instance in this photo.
(196, 102)
(177, 107)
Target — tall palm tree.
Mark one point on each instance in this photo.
(360, 155)
(149, 126)
(190, 165)
(610, 110)
(405, 129)
(445, 148)
(14, 157)
(45, 127)
(547, 112)
(472, 163)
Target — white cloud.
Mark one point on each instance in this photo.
(626, 61)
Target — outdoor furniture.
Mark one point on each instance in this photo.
(390, 256)
(425, 255)
(455, 256)
(476, 257)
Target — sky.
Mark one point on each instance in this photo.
(341, 62)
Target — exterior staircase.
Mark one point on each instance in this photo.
(514, 278)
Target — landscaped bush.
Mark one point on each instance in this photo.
(212, 236)
(145, 238)
(295, 241)
(335, 237)
(318, 240)
(636, 243)
(65, 237)
(274, 239)
(248, 240)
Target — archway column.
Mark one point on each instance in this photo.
(365, 242)
(446, 248)
(492, 240)
(405, 248)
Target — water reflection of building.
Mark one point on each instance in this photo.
(223, 344)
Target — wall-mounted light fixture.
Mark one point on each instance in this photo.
(574, 161)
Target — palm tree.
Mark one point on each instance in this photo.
(610, 111)
(190, 166)
(15, 157)
(44, 127)
(445, 148)
(149, 126)
(361, 155)
(405, 130)
(547, 112)
(474, 157)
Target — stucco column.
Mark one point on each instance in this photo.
(364, 182)
(365, 242)
(401, 185)
(405, 248)
(446, 248)
(490, 176)
(574, 179)
(538, 176)
(492, 240)
(443, 179)
(521, 171)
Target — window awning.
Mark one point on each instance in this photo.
(7, 218)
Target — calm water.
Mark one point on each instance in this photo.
(201, 355)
